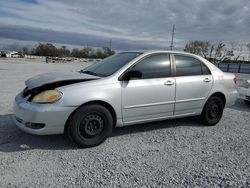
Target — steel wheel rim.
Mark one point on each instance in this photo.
(91, 125)
(214, 110)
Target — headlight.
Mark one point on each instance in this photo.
(48, 96)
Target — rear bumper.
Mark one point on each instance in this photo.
(231, 98)
(50, 116)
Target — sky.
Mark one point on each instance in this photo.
(130, 24)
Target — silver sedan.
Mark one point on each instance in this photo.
(124, 89)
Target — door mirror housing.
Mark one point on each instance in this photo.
(132, 74)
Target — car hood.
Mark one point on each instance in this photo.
(58, 78)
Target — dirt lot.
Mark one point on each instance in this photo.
(174, 153)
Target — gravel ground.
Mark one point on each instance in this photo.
(174, 153)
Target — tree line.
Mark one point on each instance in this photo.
(50, 50)
(215, 52)
(218, 52)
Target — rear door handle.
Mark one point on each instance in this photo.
(169, 83)
(206, 80)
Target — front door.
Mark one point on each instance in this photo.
(153, 95)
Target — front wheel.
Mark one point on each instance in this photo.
(212, 111)
(90, 125)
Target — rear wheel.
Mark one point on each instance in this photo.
(247, 102)
(212, 111)
(90, 125)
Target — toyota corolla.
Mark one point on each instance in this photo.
(124, 89)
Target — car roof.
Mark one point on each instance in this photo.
(148, 52)
(158, 51)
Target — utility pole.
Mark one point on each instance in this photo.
(172, 40)
(110, 44)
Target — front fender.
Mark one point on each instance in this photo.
(79, 94)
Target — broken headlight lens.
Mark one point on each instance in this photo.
(48, 96)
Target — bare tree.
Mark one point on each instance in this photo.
(237, 49)
(216, 52)
(198, 47)
(25, 51)
(221, 53)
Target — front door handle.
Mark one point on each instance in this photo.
(206, 80)
(169, 83)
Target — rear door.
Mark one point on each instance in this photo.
(193, 84)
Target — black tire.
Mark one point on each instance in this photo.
(90, 125)
(212, 111)
(247, 102)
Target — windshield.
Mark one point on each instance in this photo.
(110, 65)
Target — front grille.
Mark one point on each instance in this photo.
(19, 120)
(29, 94)
(248, 98)
(26, 92)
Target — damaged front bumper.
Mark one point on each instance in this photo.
(40, 119)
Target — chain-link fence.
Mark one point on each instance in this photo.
(234, 67)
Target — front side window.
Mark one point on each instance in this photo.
(187, 66)
(155, 66)
(205, 70)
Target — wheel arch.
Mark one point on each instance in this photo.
(220, 95)
(108, 106)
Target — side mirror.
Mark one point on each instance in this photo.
(132, 74)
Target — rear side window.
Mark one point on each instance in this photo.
(189, 66)
(155, 66)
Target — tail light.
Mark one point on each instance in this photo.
(235, 79)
